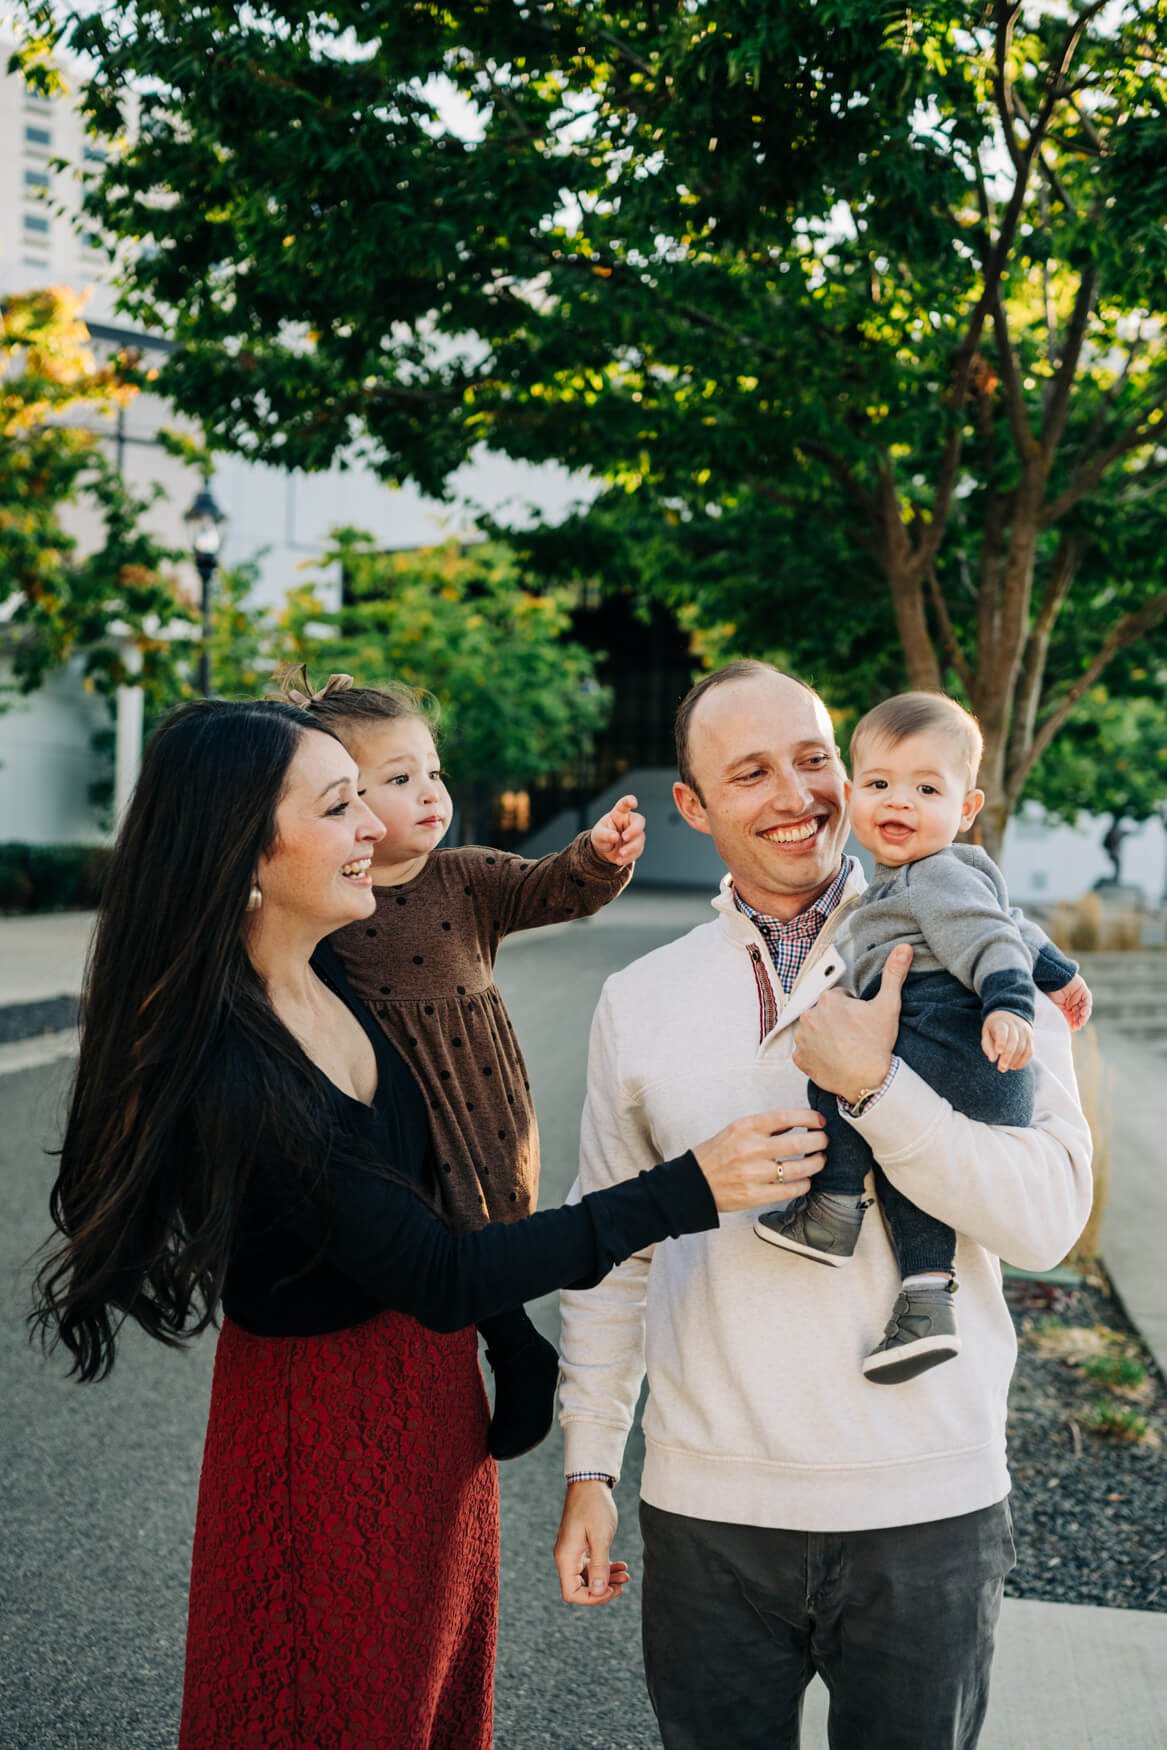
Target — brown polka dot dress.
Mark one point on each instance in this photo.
(424, 964)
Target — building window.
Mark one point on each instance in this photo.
(36, 179)
(95, 155)
(38, 136)
(34, 222)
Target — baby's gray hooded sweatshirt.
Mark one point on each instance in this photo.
(953, 907)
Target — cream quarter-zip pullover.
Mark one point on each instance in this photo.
(758, 1413)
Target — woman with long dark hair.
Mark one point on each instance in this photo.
(240, 1137)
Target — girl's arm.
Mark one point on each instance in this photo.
(572, 883)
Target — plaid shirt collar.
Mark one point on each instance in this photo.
(790, 941)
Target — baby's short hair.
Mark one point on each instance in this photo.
(909, 714)
(345, 707)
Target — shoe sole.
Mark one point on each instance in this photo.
(894, 1366)
(773, 1239)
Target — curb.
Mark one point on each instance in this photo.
(28, 1020)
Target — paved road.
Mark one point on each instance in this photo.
(97, 1484)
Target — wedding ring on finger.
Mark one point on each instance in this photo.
(779, 1172)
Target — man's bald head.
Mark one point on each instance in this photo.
(746, 669)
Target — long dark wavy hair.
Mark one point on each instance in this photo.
(183, 1062)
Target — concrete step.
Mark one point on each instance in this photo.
(1151, 1032)
(1136, 1004)
(1137, 986)
(1138, 964)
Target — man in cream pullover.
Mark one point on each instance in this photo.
(796, 1518)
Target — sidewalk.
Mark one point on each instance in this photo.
(1136, 1206)
(41, 964)
(1067, 1677)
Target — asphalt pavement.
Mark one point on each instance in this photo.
(98, 1483)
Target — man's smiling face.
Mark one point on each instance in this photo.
(769, 789)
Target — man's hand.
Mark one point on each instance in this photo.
(1075, 1002)
(587, 1575)
(846, 1045)
(619, 836)
(1007, 1040)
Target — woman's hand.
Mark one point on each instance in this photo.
(754, 1160)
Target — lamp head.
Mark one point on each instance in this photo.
(204, 526)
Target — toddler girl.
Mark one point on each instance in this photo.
(424, 965)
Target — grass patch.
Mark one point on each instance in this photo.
(1124, 1372)
(1119, 1422)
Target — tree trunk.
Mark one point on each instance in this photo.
(920, 659)
(989, 831)
(1004, 636)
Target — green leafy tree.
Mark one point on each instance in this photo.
(1111, 761)
(518, 698)
(114, 596)
(858, 310)
(244, 637)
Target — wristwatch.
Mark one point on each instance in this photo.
(868, 1096)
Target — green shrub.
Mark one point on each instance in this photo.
(1126, 1371)
(51, 877)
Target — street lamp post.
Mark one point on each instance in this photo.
(204, 526)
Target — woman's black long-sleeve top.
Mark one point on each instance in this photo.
(310, 1260)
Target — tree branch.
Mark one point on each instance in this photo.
(1057, 409)
(505, 101)
(1057, 86)
(948, 636)
(1147, 483)
(998, 511)
(1056, 184)
(1087, 475)
(783, 500)
(627, 54)
(997, 256)
(1128, 630)
(1011, 377)
(618, 272)
(840, 468)
(905, 584)
(1007, 16)
(1109, 396)
(1033, 665)
(1088, 128)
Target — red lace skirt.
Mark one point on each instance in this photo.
(344, 1584)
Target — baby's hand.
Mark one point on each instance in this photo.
(1007, 1040)
(619, 836)
(1075, 1002)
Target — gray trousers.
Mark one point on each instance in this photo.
(898, 1623)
